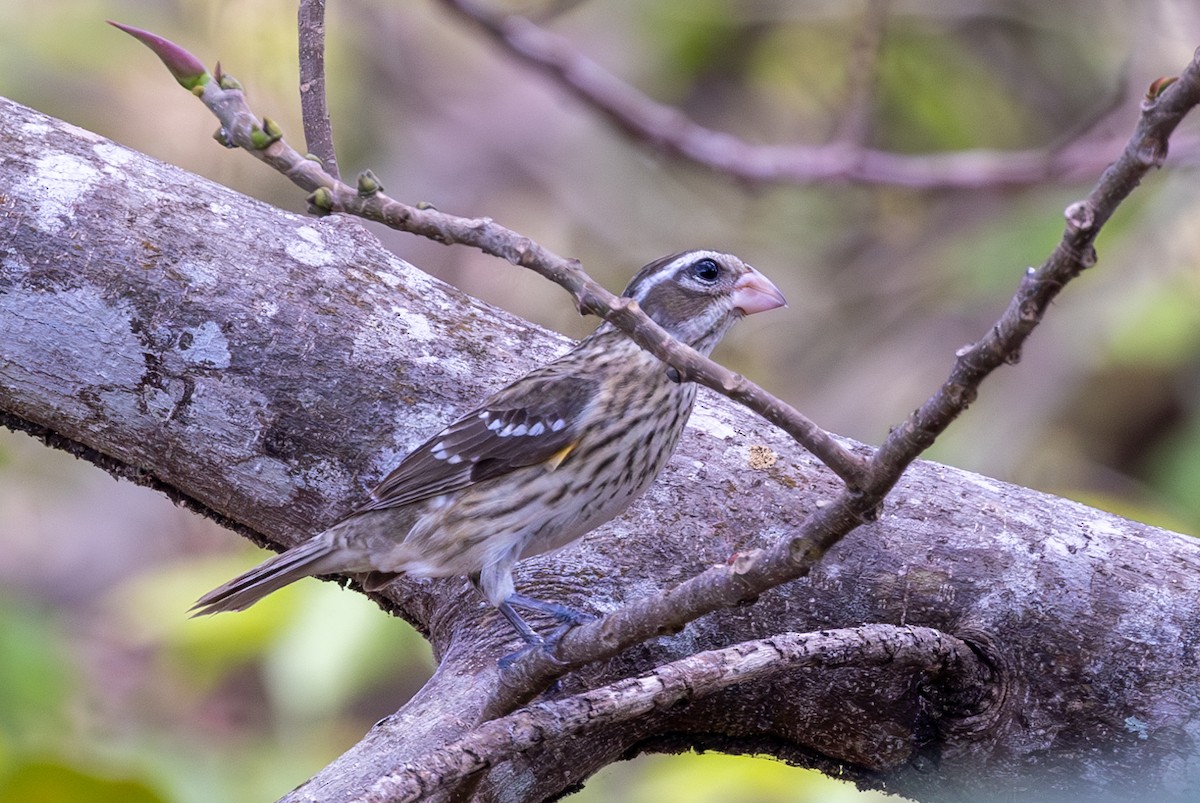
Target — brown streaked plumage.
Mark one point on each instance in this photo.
(544, 460)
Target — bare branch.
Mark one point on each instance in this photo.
(318, 131)
(840, 161)
(946, 660)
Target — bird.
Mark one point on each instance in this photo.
(543, 461)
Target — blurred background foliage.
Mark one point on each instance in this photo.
(108, 691)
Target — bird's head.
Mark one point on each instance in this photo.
(698, 295)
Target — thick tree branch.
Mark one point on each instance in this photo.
(945, 661)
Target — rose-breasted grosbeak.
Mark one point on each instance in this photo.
(548, 458)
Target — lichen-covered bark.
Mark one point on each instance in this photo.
(267, 368)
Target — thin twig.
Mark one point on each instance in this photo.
(754, 573)
(241, 127)
(947, 661)
(318, 131)
(854, 122)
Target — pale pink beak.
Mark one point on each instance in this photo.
(756, 293)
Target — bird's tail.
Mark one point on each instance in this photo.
(315, 556)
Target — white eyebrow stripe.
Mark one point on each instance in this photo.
(664, 273)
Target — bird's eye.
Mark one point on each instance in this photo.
(706, 270)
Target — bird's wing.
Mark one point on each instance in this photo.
(537, 419)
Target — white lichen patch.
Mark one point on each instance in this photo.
(308, 247)
(418, 325)
(981, 481)
(36, 129)
(329, 479)
(384, 333)
(1149, 618)
(704, 420)
(208, 346)
(58, 183)
(390, 279)
(416, 282)
(263, 479)
(1103, 525)
(113, 154)
(201, 273)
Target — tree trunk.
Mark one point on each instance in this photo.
(267, 368)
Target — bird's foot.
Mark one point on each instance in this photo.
(567, 618)
(546, 646)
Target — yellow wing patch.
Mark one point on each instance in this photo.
(556, 459)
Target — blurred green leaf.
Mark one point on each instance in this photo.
(333, 647)
(320, 644)
(934, 94)
(721, 778)
(1175, 470)
(1162, 327)
(47, 782)
(34, 680)
(694, 42)
(154, 608)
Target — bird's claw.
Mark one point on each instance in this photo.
(546, 646)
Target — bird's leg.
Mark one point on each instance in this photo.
(532, 640)
(565, 615)
(520, 625)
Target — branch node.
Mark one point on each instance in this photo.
(523, 246)
(227, 81)
(368, 184)
(1151, 153)
(1031, 311)
(320, 201)
(222, 136)
(742, 562)
(1156, 88)
(1080, 216)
